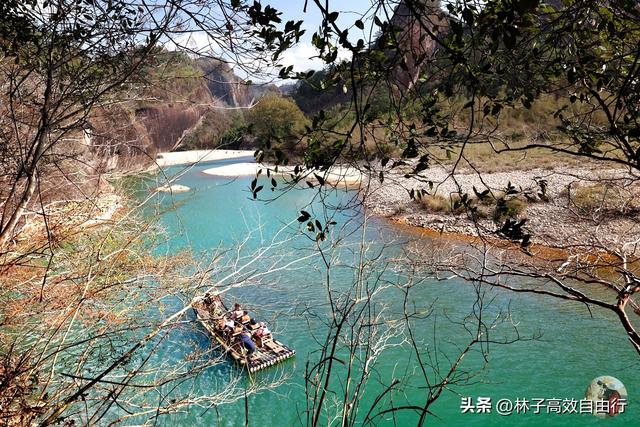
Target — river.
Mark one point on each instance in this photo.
(576, 345)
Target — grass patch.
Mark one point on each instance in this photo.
(484, 158)
(602, 198)
(435, 203)
(498, 208)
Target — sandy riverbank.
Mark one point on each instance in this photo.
(337, 175)
(199, 156)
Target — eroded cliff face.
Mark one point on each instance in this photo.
(124, 134)
(223, 84)
(418, 23)
(129, 135)
(421, 23)
(413, 27)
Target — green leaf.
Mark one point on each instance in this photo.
(467, 15)
(523, 6)
(359, 24)
(304, 216)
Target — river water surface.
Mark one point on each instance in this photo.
(576, 345)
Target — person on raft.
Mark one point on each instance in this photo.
(247, 342)
(262, 330)
(237, 312)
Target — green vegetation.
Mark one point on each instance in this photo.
(207, 133)
(511, 207)
(277, 122)
(602, 198)
(499, 208)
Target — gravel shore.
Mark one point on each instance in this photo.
(554, 222)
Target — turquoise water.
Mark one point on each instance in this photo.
(576, 345)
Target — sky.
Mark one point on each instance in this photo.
(301, 56)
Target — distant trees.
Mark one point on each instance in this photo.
(276, 122)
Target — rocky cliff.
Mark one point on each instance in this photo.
(417, 23)
(175, 104)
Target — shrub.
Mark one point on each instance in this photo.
(438, 203)
(602, 198)
(500, 208)
(435, 203)
(511, 207)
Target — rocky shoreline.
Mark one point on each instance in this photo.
(554, 220)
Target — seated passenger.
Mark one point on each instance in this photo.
(226, 326)
(245, 317)
(216, 308)
(237, 312)
(262, 330)
(238, 328)
(220, 324)
(228, 323)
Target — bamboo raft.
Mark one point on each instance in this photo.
(268, 351)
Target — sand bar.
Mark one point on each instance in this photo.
(344, 175)
(174, 188)
(199, 156)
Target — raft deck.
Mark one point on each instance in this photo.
(268, 354)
